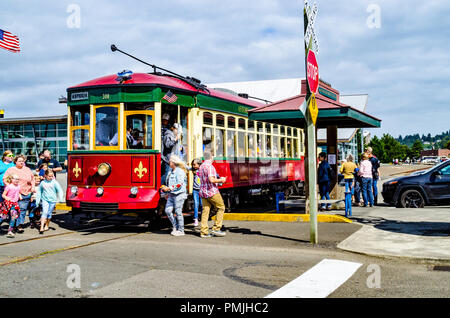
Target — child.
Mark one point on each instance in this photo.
(195, 193)
(34, 209)
(42, 168)
(50, 192)
(11, 195)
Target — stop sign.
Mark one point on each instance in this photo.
(312, 72)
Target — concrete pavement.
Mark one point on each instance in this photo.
(419, 234)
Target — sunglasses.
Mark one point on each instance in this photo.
(11, 156)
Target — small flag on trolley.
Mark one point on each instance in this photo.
(9, 42)
(170, 97)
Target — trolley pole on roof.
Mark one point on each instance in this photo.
(312, 83)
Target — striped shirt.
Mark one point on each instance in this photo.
(207, 188)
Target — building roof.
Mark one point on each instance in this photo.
(23, 120)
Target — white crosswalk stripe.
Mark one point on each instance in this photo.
(319, 281)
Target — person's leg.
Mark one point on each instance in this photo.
(364, 190)
(204, 228)
(375, 191)
(179, 201)
(322, 191)
(357, 192)
(327, 195)
(44, 214)
(220, 206)
(169, 209)
(196, 197)
(23, 205)
(369, 191)
(51, 207)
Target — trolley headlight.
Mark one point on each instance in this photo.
(134, 190)
(74, 189)
(103, 169)
(100, 191)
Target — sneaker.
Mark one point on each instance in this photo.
(10, 234)
(218, 233)
(174, 230)
(206, 235)
(178, 233)
(195, 222)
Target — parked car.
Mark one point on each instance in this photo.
(427, 187)
(430, 160)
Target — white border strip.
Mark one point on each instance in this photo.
(319, 281)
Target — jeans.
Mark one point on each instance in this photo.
(47, 209)
(175, 202)
(348, 196)
(358, 188)
(375, 189)
(324, 190)
(349, 185)
(23, 204)
(2, 188)
(367, 191)
(197, 203)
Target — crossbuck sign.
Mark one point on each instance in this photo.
(310, 36)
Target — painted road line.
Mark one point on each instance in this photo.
(319, 281)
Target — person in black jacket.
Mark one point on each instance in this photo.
(323, 179)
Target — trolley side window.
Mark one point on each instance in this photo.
(139, 133)
(79, 128)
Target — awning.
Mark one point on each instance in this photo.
(331, 113)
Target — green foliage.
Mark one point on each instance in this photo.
(388, 148)
(447, 145)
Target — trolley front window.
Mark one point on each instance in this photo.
(106, 126)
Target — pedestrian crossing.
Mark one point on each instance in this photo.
(319, 281)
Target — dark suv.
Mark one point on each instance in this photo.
(428, 187)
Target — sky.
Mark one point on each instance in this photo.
(398, 52)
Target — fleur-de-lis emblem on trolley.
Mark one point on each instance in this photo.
(140, 170)
(76, 170)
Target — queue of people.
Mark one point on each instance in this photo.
(23, 191)
(359, 180)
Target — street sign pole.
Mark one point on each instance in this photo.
(310, 171)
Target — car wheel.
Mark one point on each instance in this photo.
(412, 199)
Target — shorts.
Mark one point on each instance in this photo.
(47, 209)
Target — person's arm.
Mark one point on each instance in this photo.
(5, 194)
(38, 195)
(213, 179)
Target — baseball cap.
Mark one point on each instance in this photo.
(166, 116)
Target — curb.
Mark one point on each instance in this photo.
(269, 217)
(63, 206)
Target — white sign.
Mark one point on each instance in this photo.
(332, 159)
(79, 96)
(303, 108)
(310, 35)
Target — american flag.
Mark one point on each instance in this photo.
(170, 97)
(9, 42)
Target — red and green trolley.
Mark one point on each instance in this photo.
(107, 175)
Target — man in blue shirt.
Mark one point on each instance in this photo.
(51, 163)
(323, 179)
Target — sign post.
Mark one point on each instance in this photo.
(312, 83)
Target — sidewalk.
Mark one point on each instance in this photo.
(419, 234)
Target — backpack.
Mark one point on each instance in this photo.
(331, 175)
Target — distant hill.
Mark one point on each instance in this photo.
(428, 141)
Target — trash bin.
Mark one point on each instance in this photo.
(279, 196)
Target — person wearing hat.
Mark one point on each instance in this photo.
(169, 147)
(164, 123)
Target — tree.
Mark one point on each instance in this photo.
(416, 148)
(447, 145)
